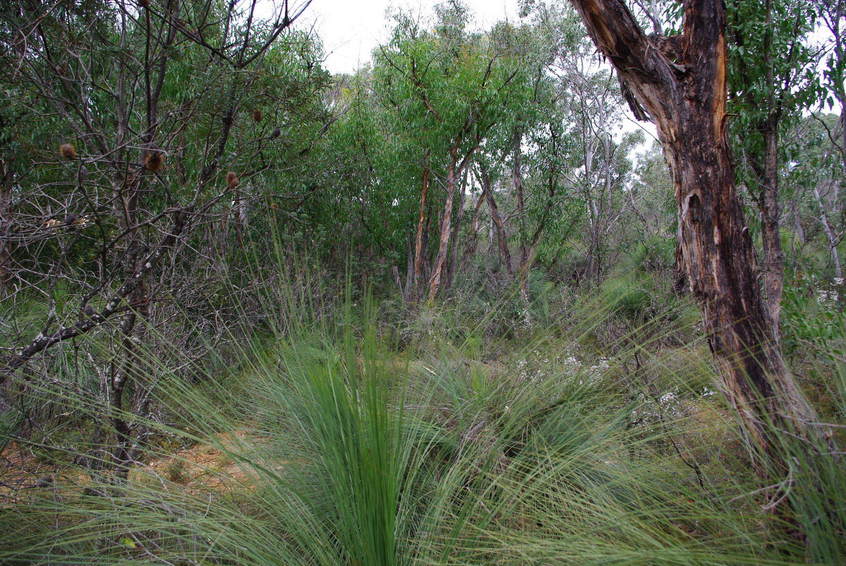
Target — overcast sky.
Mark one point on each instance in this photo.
(350, 29)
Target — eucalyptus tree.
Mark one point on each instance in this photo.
(593, 100)
(833, 15)
(375, 168)
(447, 89)
(679, 82)
(526, 152)
(597, 167)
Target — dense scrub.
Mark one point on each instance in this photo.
(430, 312)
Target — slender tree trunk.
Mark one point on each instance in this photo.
(594, 259)
(446, 226)
(798, 230)
(830, 235)
(452, 263)
(473, 238)
(421, 223)
(5, 227)
(679, 83)
(496, 219)
(408, 289)
(771, 233)
(517, 180)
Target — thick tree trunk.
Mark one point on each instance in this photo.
(679, 83)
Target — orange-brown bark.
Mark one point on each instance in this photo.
(680, 84)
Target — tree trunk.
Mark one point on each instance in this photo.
(679, 83)
(446, 226)
(770, 231)
(414, 294)
(594, 253)
(473, 238)
(830, 236)
(5, 227)
(499, 225)
(517, 180)
(798, 230)
(408, 289)
(452, 263)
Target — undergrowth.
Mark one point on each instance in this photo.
(601, 441)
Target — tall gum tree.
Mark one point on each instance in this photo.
(679, 83)
(447, 92)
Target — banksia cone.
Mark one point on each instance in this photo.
(257, 115)
(232, 180)
(153, 160)
(67, 151)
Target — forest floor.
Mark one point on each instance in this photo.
(199, 468)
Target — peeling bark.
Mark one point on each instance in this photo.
(680, 84)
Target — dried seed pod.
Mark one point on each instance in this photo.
(68, 151)
(153, 160)
(232, 180)
(257, 115)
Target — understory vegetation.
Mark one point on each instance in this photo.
(449, 309)
(360, 433)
